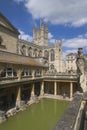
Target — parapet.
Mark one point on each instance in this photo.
(70, 119)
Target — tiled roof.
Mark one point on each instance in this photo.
(6, 57)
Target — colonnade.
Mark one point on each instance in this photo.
(56, 90)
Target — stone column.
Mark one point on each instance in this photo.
(19, 72)
(18, 98)
(71, 89)
(42, 89)
(32, 92)
(33, 73)
(55, 88)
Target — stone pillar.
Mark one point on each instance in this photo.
(18, 98)
(32, 91)
(71, 89)
(19, 72)
(42, 89)
(33, 73)
(55, 88)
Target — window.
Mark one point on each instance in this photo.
(46, 54)
(8, 72)
(52, 55)
(30, 52)
(26, 72)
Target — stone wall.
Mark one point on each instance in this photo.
(71, 120)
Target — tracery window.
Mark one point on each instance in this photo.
(35, 53)
(30, 52)
(23, 51)
(40, 53)
(46, 54)
(52, 55)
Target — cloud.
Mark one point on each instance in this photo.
(51, 39)
(78, 42)
(72, 45)
(67, 12)
(25, 36)
(18, 1)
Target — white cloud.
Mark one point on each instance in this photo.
(51, 38)
(25, 36)
(80, 41)
(68, 12)
(18, 1)
(72, 45)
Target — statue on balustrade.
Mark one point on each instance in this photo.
(81, 70)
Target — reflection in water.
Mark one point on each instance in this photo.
(42, 104)
(55, 106)
(40, 116)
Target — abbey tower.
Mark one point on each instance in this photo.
(40, 36)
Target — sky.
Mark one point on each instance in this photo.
(66, 19)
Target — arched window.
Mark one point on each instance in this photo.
(30, 51)
(40, 53)
(35, 53)
(23, 51)
(46, 54)
(52, 55)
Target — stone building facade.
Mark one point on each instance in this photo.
(30, 70)
(71, 63)
(40, 48)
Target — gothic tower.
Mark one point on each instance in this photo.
(40, 36)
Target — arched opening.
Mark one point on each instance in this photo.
(52, 55)
(30, 52)
(23, 51)
(46, 54)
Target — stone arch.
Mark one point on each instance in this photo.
(46, 54)
(23, 51)
(30, 51)
(35, 52)
(52, 67)
(40, 53)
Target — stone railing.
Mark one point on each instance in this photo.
(71, 120)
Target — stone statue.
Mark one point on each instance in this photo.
(81, 69)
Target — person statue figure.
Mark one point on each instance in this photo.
(81, 70)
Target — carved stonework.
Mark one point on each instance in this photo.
(81, 70)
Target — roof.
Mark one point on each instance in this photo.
(7, 24)
(6, 57)
(71, 54)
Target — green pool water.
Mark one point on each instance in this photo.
(40, 116)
